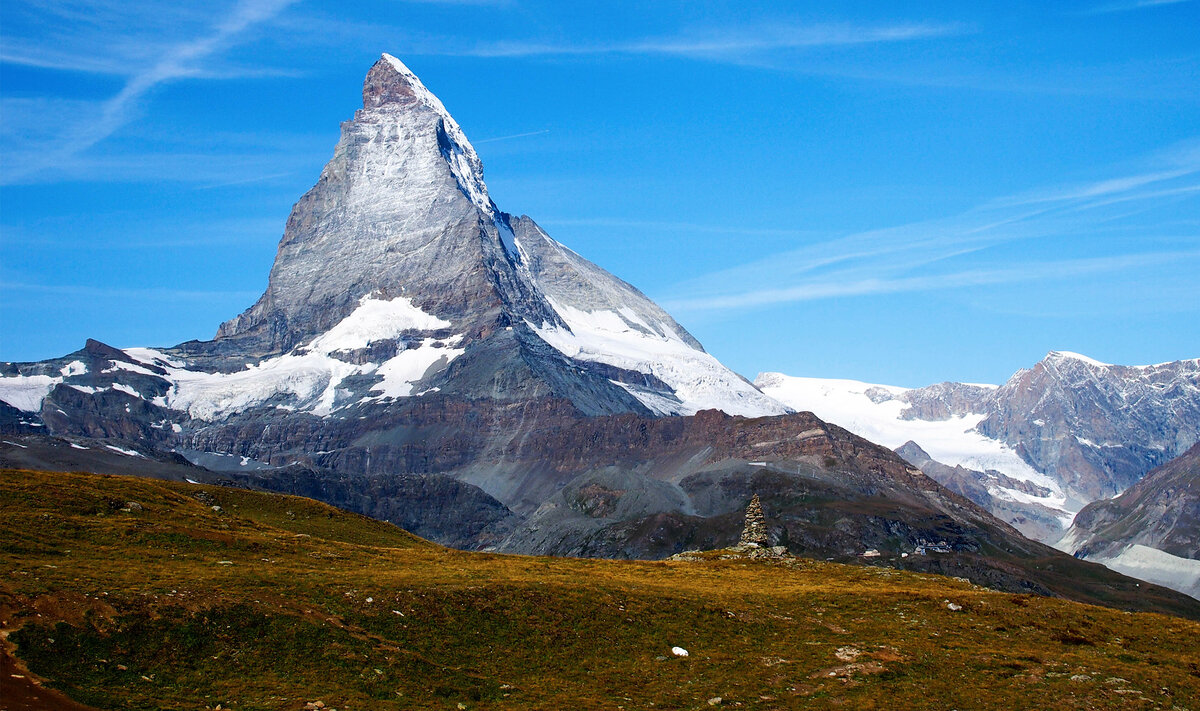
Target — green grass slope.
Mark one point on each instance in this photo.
(138, 594)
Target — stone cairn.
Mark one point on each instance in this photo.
(754, 534)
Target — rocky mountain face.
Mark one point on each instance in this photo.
(1067, 431)
(423, 357)
(1035, 520)
(1097, 428)
(1151, 531)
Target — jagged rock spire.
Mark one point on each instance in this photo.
(755, 531)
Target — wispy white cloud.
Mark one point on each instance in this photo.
(1131, 5)
(242, 181)
(222, 166)
(1030, 271)
(97, 36)
(123, 230)
(949, 253)
(183, 59)
(1101, 188)
(727, 43)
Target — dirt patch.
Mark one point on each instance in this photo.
(24, 692)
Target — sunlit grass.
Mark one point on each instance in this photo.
(275, 601)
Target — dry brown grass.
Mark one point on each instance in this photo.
(274, 601)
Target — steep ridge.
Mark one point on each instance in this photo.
(1151, 531)
(1054, 437)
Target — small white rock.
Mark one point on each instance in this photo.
(953, 607)
(679, 651)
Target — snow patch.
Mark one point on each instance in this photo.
(623, 340)
(410, 365)
(127, 390)
(656, 402)
(26, 392)
(149, 356)
(375, 320)
(75, 367)
(126, 452)
(1077, 356)
(1155, 566)
(130, 367)
(309, 378)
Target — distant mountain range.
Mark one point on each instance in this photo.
(1066, 432)
(423, 357)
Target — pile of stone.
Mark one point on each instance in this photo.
(754, 533)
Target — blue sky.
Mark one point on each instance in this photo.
(900, 193)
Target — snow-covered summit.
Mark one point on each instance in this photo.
(1068, 355)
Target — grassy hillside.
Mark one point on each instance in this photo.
(132, 593)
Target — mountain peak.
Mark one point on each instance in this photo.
(1068, 355)
(400, 218)
(390, 82)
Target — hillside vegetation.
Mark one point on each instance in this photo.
(129, 593)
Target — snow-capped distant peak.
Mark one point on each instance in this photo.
(1068, 355)
(877, 412)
